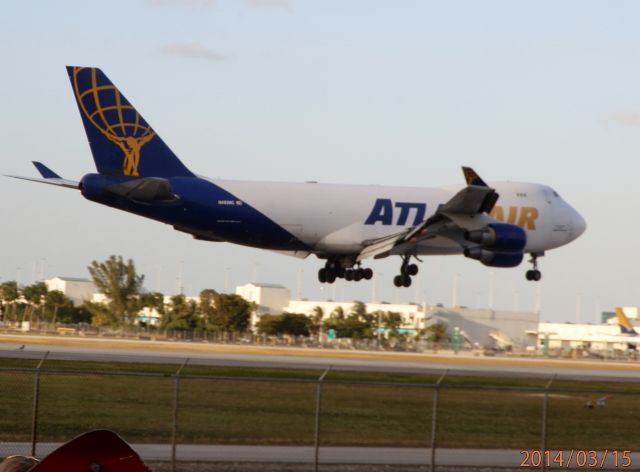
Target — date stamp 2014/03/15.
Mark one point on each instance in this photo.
(577, 458)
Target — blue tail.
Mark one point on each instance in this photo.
(122, 143)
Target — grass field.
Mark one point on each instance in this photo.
(277, 406)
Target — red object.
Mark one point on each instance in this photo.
(95, 451)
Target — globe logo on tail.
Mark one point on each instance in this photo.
(105, 107)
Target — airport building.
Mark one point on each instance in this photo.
(78, 290)
(596, 337)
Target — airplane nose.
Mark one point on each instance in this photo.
(578, 225)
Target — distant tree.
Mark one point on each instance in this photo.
(121, 285)
(208, 304)
(359, 309)
(316, 320)
(377, 319)
(9, 294)
(153, 300)
(58, 308)
(35, 295)
(392, 321)
(437, 332)
(9, 291)
(101, 314)
(232, 313)
(295, 324)
(269, 324)
(357, 325)
(338, 313)
(181, 314)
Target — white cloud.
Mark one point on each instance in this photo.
(268, 3)
(624, 118)
(191, 50)
(181, 3)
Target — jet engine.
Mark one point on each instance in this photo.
(498, 245)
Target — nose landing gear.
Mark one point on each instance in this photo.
(534, 274)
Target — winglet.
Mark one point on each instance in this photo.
(474, 180)
(45, 171)
(625, 325)
(472, 177)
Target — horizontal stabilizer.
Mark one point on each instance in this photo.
(51, 181)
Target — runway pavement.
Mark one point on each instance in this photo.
(336, 455)
(124, 350)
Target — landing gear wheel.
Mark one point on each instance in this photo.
(406, 271)
(330, 275)
(348, 275)
(534, 275)
(367, 274)
(322, 275)
(406, 281)
(357, 275)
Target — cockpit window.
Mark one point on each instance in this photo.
(555, 194)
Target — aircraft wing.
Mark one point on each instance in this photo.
(48, 177)
(450, 220)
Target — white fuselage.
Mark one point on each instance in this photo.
(339, 219)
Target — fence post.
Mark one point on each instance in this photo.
(545, 405)
(316, 444)
(174, 432)
(36, 404)
(434, 419)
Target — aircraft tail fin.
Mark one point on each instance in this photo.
(625, 325)
(121, 141)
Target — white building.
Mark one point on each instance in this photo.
(78, 290)
(573, 335)
(269, 298)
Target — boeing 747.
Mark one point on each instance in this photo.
(495, 223)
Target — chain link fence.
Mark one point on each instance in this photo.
(43, 406)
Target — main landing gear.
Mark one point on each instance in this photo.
(334, 269)
(534, 274)
(406, 271)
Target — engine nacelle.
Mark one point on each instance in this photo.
(494, 259)
(499, 237)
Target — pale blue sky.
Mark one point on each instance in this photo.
(398, 93)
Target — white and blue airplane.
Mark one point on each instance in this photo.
(344, 225)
